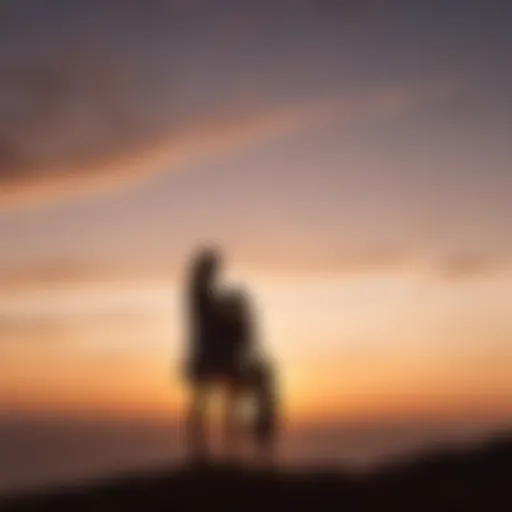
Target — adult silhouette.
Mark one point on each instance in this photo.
(204, 338)
(222, 353)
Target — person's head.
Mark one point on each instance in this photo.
(206, 265)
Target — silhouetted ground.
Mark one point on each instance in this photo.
(479, 479)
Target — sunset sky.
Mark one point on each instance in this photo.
(352, 159)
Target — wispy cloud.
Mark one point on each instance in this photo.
(463, 267)
(469, 265)
(77, 130)
(82, 106)
(102, 104)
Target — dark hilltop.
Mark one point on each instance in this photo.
(469, 479)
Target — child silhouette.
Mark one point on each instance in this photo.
(248, 371)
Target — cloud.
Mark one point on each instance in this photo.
(299, 263)
(51, 272)
(78, 130)
(468, 265)
(302, 259)
(86, 105)
(79, 123)
(67, 272)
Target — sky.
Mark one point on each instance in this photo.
(352, 159)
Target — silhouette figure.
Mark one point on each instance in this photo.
(202, 361)
(224, 353)
(249, 373)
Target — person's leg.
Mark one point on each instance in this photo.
(231, 419)
(196, 424)
(266, 416)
